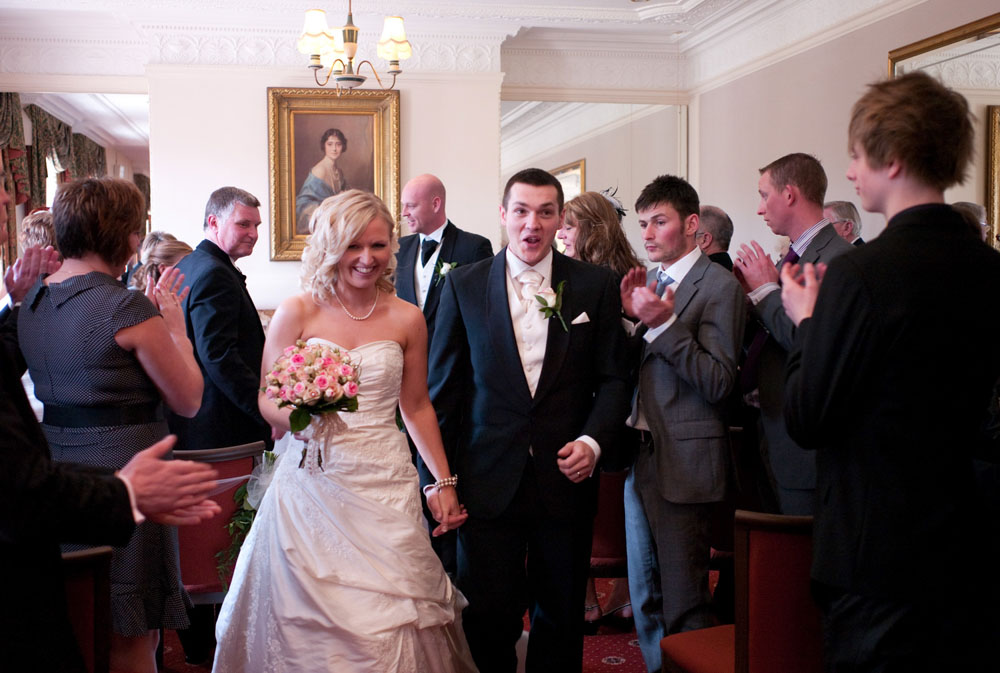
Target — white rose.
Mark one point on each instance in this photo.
(548, 297)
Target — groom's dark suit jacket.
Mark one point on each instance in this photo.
(457, 246)
(42, 504)
(488, 417)
(223, 325)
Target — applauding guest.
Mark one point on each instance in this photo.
(103, 359)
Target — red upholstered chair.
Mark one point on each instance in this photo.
(87, 578)
(199, 544)
(607, 553)
(777, 624)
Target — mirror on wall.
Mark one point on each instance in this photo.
(967, 59)
(616, 146)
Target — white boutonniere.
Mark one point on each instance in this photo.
(550, 302)
(442, 269)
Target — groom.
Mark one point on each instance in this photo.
(527, 400)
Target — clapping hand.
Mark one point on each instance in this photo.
(445, 509)
(167, 295)
(799, 290)
(753, 267)
(23, 273)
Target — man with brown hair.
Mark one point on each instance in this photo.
(791, 202)
(889, 380)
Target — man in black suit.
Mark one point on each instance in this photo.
(889, 381)
(434, 247)
(527, 375)
(223, 324)
(844, 217)
(44, 503)
(715, 231)
(791, 202)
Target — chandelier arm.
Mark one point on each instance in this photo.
(328, 72)
(375, 72)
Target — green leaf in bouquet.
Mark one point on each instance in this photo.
(299, 420)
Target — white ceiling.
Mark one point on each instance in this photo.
(122, 37)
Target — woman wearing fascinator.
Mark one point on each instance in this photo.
(592, 232)
(337, 572)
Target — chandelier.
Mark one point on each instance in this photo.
(335, 49)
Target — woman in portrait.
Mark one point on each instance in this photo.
(324, 180)
(104, 360)
(337, 572)
(592, 232)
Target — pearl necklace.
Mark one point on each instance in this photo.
(351, 315)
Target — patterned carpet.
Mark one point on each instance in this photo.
(613, 649)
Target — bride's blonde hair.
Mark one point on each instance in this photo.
(337, 221)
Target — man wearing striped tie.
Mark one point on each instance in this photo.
(791, 190)
(691, 314)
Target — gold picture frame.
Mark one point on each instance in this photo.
(298, 122)
(572, 177)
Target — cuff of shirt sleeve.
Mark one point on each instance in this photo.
(650, 336)
(592, 443)
(137, 516)
(757, 296)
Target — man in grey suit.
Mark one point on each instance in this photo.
(791, 202)
(692, 315)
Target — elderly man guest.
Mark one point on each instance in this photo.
(715, 231)
(844, 217)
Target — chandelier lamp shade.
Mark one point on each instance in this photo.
(334, 49)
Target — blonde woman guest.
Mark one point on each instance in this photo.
(104, 359)
(324, 180)
(160, 256)
(338, 572)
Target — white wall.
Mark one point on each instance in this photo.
(627, 157)
(803, 104)
(208, 128)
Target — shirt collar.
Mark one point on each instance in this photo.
(516, 266)
(680, 268)
(435, 235)
(803, 241)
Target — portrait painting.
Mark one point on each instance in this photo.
(322, 144)
(572, 177)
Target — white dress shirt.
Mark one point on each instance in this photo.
(423, 274)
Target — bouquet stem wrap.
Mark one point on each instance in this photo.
(319, 434)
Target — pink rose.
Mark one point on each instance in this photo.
(289, 350)
(351, 389)
(346, 370)
(327, 362)
(299, 388)
(298, 359)
(322, 381)
(334, 392)
(272, 392)
(312, 394)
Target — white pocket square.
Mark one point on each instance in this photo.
(581, 319)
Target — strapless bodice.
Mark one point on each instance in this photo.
(381, 366)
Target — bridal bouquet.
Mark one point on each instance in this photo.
(313, 379)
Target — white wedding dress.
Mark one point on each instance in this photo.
(337, 572)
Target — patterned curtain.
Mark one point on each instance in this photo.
(12, 145)
(50, 138)
(142, 182)
(91, 159)
(8, 249)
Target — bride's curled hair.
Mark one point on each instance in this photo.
(336, 222)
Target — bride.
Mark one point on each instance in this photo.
(337, 572)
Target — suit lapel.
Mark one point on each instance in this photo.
(557, 339)
(811, 254)
(405, 289)
(445, 255)
(689, 286)
(498, 322)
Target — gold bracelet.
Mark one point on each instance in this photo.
(447, 481)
